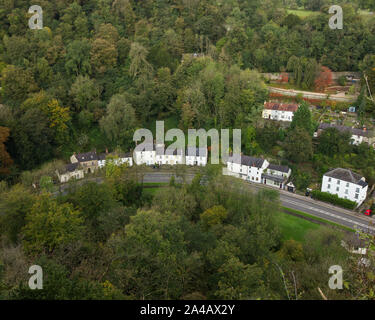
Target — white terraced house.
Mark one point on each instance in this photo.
(357, 135)
(276, 176)
(163, 158)
(196, 156)
(247, 168)
(119, 160)
(147, 156)
(346, 184)
(279, 111)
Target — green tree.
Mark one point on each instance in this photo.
(298, 145)
(77, 59)
(15, 205)
(302, 119)
(50, 225)
(214, 216)
(119, 121)
(333, 142)
(84, 92)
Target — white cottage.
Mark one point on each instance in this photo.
(279, 111)
(276, 176)
(248, 168)
(71, 171)
(147, 156)
(164, 157)
(196, 156)
(357, 135)
(126, 158)
(346, 184)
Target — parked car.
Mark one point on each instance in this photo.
(368, 212)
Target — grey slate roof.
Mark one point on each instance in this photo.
(89, 156)
(276, 167)
(196, 152)
(346, 175)
(71, 167)
(162, 150)
(249, 161)
(273, 177)
(126, 155)
(353, 131)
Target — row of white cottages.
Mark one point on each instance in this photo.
(342, 182)
(248, 168)
(89, 162)
(259, 170)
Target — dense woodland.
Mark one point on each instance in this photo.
(188, 241)
(98, 70)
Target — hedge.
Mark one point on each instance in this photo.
(334, 199)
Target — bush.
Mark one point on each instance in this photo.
(342, 80)
(334, 199)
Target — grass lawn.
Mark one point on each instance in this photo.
(292, 227)
(150, 191)
(303, 13)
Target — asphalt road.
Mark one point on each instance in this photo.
(315, 208)
(336, 215)
(307, 205)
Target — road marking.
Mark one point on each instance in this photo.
(367, 227)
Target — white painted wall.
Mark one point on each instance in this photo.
(344, 190)
(278, 115)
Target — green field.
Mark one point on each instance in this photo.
(302, 13)
(150, 191)
(306, 13)
(292, 227)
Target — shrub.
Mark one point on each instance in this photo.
(334, 199)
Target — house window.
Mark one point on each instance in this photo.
(338, 182)
(337, 189)
(329, 186)
(347, 185)
(356, 195)
(346, 191)
(357, 190)
(329, 180)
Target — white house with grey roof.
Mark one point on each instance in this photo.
(357, 135)
(70, 171)
(146, 156)
(88, 161)
(346, 184)
(120, 159)
(247, 168)
(196, 156)
(276, 176)
(165, 157)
